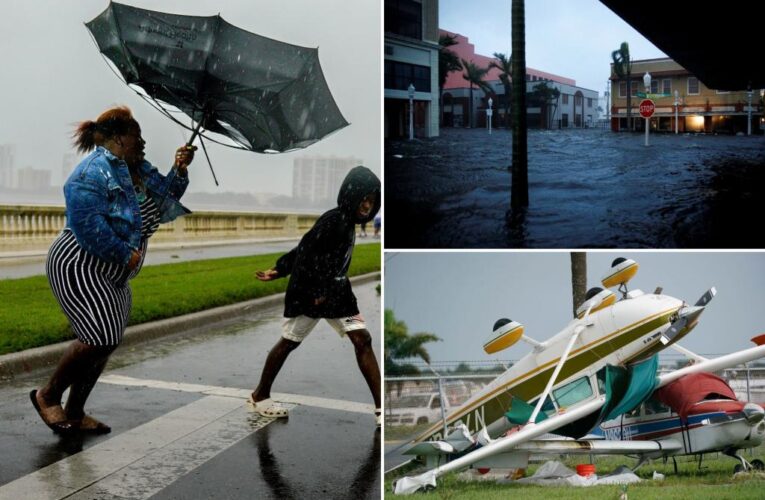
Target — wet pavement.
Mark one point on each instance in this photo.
(587, 188)
(182, 428)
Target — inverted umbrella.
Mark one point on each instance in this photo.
(266, 96)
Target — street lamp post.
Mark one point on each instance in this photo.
(489, 112)
(411, 111)
(749, 113)
(677, 103)
(647, 83)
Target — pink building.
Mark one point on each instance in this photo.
(466, 50)
(456, 96)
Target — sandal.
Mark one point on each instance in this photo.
(378, 416)
(90, 425)
(269, 408)
(53, 416)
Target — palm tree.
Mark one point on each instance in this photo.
(623, 69)
(474, 74)
(578, 278)
(505, 66)
(400, 344)
(448, 62)
(519, 196)
(544, 95)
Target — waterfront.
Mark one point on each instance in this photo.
(588, 188)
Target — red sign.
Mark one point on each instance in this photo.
(647, 107)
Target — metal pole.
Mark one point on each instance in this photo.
(411, 120)
(749, 114)
(441, 398)
(676, 106)
(646, 131)
(748, 394)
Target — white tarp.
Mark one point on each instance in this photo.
(554, 473)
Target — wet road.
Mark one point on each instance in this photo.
(182, 428)
(587, 188)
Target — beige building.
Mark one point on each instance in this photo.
(411, 58)
(679, 93)
(318, 179)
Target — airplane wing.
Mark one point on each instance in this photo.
(409, 485)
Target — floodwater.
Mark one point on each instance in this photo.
(587, 189)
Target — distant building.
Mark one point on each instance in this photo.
(317, 180)
(68, 162)
(699, 109)
(7, 160)
(411, 58)
(32, 179)
(575, 107)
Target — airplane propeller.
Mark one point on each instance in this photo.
(687, 317)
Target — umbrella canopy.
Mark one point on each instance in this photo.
(265, 95)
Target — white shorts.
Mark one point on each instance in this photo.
(297, 329)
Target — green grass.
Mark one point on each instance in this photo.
(31, 317)
(714, 480)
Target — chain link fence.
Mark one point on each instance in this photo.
(416, 402)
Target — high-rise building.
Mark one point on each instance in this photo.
(317, 179)
(7, 159)
(33, 179)
(68, 162)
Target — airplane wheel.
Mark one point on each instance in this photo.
(758, 464)
(738, 468)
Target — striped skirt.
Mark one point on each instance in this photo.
(94, 294)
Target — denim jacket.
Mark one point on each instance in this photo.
(102, 208)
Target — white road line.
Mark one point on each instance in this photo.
(212, 390)
(149, 475)
(90, 466)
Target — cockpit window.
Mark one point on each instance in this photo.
(573, 392)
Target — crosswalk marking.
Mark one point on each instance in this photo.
(140, 462)
(212, 390)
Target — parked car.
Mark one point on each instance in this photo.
(412, 409)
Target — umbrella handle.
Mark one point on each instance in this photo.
(194, 134)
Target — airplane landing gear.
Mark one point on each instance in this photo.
(744, 466)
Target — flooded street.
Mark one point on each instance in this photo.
(587, 188)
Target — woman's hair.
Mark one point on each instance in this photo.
(112, 122)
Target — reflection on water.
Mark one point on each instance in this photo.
(276, 474)
(587, 188)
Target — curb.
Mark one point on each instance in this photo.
(19, 363)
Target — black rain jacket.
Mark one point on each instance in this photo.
(318, 265)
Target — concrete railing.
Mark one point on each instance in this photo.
(26, 228)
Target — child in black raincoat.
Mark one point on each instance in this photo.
(319, 288)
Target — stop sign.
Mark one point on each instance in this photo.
(647, 107)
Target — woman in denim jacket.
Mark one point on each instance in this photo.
(115, 200)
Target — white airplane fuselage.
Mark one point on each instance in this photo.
(627, 331)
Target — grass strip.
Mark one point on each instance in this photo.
(31, 317)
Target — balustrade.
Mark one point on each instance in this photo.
(30, 228)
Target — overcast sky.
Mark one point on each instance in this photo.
(570, 38)
(54, 76)
(459, 296)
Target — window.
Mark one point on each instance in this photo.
(548, 407)
(589, 102)
(654, 86)
(577, 100)
(528, 77)
(436, 404)
(634, 89)
(666, 87)
(654, 406)
(403, 17)
(693, 85)
(573, 392)
(565, 98)
(399, 75)
(623, 89)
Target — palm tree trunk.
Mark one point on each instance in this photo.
(470, 108)
(519, 195)
(629, 102)
(578, 278)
